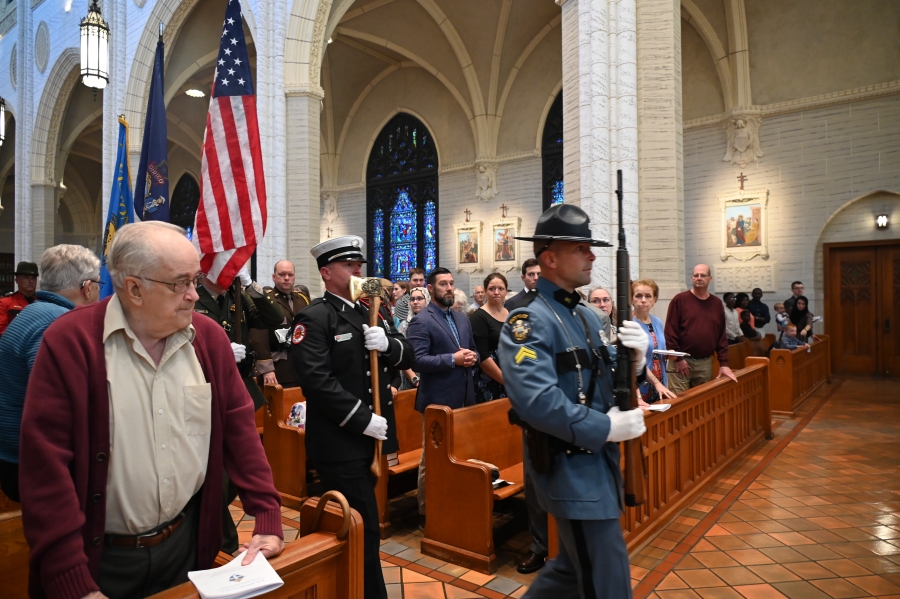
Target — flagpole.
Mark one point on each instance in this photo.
(124, 122)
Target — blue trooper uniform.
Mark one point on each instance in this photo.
(542, 344)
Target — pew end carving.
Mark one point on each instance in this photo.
(285, 446)
(409, 438)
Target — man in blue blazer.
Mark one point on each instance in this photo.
(445, 354)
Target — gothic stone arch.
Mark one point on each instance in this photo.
(50, 112)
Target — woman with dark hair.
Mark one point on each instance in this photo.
(802, 318)
(487, 323)
(742, 302)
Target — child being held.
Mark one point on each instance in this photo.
(747, 328)
(781, 317)
(790, 340)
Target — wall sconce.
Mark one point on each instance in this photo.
(882, 222)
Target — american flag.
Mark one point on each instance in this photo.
(231, 216)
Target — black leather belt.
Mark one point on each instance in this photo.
(146, 540)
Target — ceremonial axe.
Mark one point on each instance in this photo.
(372, 289)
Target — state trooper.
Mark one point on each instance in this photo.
(290, 299)
(557, 374)
(330, 344)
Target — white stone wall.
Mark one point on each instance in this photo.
(815, 162)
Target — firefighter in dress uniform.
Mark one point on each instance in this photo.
(290, 299)
(330, 344)
(258, 312)
(557, 373)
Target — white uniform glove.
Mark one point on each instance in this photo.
(244, 276)
(378, 427)
(240, 352)
(375, 338)
(635, 337)
(624, 426)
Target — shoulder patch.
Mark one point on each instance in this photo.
(525, 353)
(299, 334)
(519, 328)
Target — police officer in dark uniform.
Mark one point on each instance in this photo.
(290, 299)
(258, 312)
(330, 344)
(557, 374)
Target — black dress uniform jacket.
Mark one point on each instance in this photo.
(289, 304)
(329, 356)
(260, 312)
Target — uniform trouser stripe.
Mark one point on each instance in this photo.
(584, 560)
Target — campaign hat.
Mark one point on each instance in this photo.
(26, 268)
(347, 248)
(565, 222)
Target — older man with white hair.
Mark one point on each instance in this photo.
(71, 277)
(138, 411)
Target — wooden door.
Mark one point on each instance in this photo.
(852, 320)
(889, 309)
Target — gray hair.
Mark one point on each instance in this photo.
(65, 267)
(133, 253)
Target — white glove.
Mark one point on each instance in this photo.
(378, 427)
(624, 426)
(240, 352)
(244, 276)
(375, 338)
(282, 335)
(635, 337)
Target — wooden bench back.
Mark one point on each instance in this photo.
(409, 422)
(483, 432)
(285, 445)
(14, 553)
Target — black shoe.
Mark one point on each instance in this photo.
(530, 562)
(422, 523)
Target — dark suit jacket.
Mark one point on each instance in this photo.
(442, 382)
(513, 302)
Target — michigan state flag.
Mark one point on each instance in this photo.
(121, 206)
(151, 188)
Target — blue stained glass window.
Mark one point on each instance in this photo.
(401, 200)
(559, 195)
(403, 236)
(378, 242)
(430, 237)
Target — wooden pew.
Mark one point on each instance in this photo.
(326, 562)
(285, 445)
(409, 436)
(796, 374)
(739, 352)
(459, 496)
(704, 433)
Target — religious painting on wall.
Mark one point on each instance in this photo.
(504, 246)
(744, 225)
(468, 246)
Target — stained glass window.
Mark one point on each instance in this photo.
(378, 243)
(401, 197)
(553, 188)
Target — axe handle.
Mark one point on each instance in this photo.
(374, 308)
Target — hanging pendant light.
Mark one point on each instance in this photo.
(94, 48)
(2, 120)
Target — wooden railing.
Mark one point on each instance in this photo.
(796, 374)
(739, 352)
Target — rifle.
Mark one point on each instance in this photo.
(624, 387)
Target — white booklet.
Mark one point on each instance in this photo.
(234, 581)
(660, 407)
(670, 352)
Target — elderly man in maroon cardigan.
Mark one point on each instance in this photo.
(135, 411)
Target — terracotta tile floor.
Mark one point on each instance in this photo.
(814, 513)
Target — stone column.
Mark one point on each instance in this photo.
(302, 179)
(114, 101)
(24, 131)
(44, 207)
(600, 120)
(661, 152)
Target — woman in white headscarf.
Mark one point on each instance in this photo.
(418, 299)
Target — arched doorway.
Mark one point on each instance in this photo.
(402, 199)
(552, 185)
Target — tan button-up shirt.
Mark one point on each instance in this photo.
(160, 418)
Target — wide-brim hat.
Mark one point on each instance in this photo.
(565, 222)
(347, 248)
(26, 268)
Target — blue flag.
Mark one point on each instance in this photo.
(151, 187)
(121, 206)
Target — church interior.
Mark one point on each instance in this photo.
(761, 138)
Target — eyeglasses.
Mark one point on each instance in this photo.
(417, 299)
(86, 282)
(601, 300)
(182, 285)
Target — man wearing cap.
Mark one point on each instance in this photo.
(330, 345)
(558, 378)
(26, 284)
